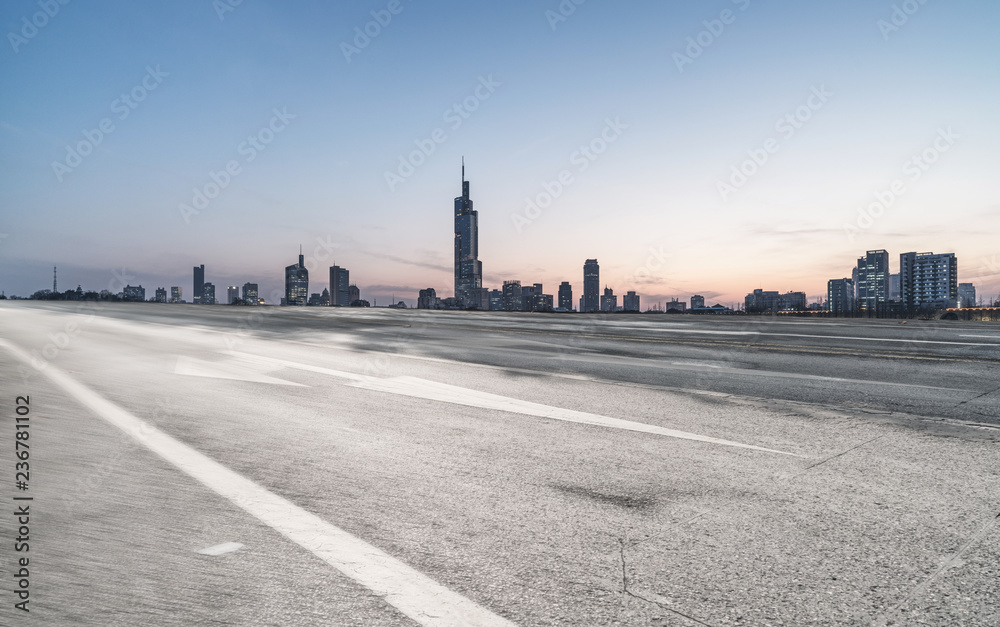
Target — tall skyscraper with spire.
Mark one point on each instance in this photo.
(297, 282)
(468, 268)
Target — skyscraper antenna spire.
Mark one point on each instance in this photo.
(463, 168)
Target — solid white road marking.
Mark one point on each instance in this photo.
(232, 370)
(432, 390)
(408, 590)
(293, 364)
(220, 549)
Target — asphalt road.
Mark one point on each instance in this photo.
(381, 467)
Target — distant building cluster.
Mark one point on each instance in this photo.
(925, 282)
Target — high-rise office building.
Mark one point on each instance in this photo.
(566, 296)
(251, 294)
(427, 299)
(528, 293)
(468, 268)
(207, 294)
(297, 283)
(161, 295)
(496, 300)
(232, 294)
(630, 302)
(928, 281)
(766, 301)
(512, 296)
(894, 287)
(761, 301)
(340, 287)
(175, 295)
(792, 301)
(840, 297)
(873, 282)
(591, 287)
(541, 302)
(609, 301)
(353, 294)
(134, 293)
(199, 282)
(697, 301)
(966, 295)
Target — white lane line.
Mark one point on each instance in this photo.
(432, 390)
(231, 370)
(220, 549)
(984, 337)
(408, 590)
(293, 364)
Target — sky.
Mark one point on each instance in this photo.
(706, 148)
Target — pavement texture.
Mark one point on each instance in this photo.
(541, 469)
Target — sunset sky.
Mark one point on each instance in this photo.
(115, 118)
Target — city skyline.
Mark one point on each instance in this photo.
(661, 158)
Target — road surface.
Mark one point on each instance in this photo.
(265, 466)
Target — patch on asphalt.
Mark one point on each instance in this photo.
(626, 500)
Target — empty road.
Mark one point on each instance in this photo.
(315, 466)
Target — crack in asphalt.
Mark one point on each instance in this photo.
(626, 590)
(883, 619)
(823, 461)
(969, 400)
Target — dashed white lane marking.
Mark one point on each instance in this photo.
(236, 370)
(220, 549)
(408, 590)
(432, 390)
